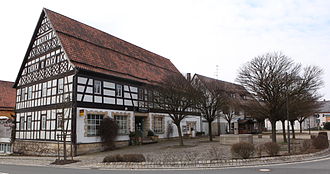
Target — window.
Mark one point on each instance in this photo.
(59, 121)
(140, 94)
(158, 124)
(97, 87)
(29, 123)
(60, 86)
(22, 120)
(23, 94)
(30, 92)
(93, 124)
(43, 121)
(122, 123)
(119, 90)
(44, 89)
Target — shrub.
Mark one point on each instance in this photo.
(150, 133)
(271, 148)
(243, 149)
(200, 133)
(306, 146)
(124, 158)
(258, 149)
(326, 126)
(112, 158)
(321, 141)
(108, 132)
(133, 158)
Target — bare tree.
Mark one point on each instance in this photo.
(273, 77)
(229, 113)
(209, 100)
(176, 97)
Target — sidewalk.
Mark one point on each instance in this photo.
(196, 153)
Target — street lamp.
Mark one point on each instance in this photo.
(287, 112)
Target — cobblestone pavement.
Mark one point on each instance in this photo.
(197, 149)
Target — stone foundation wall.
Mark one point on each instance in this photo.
(96, 147)
(47, 148)
(39, 148)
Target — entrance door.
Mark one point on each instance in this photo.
(139, 122)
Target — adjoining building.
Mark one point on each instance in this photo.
(314, 121)
(74, 75)
(237, 97)
(7, 114)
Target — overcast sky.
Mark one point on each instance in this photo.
(195, 35)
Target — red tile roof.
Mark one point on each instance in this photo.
(7, 96)
(91, 49)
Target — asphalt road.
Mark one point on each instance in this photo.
(313, 167)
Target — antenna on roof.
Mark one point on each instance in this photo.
(217, 72)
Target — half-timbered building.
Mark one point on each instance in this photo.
(74, 75)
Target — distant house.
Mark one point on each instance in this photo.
(323, 113)
(237, 97)
(74, 75)
(318, 119)
(7, 107)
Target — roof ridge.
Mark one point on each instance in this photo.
(113, 50)
(219, 80)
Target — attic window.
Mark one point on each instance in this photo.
(232, 95)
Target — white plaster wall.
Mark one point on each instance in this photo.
(81, 138)
(80, 130)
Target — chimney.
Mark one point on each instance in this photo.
(188, 76)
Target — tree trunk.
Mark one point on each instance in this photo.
(273, 131)
(180, 133)
(300, 126)
(292, 127)
(229, 126)
(210, 131)
(283, 131)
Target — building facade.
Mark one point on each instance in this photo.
(237, 97)
(7, 115)
(74, 75)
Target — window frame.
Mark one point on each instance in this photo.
(59, 121)
(119, 90)
(60, 86)
(43, 122)
(29, 122)
(97, 88)
(95, 125)
(140, 94)
(123, 127)
(158, 127)
(22, 123)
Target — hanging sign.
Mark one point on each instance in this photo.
(81, 113)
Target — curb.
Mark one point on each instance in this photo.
(213, 163)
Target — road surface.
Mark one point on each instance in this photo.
(313, 167)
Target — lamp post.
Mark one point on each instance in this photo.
(287, 112)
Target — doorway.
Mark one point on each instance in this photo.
(139, 124)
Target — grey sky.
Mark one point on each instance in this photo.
(195, 35)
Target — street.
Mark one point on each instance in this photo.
(316, 167)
